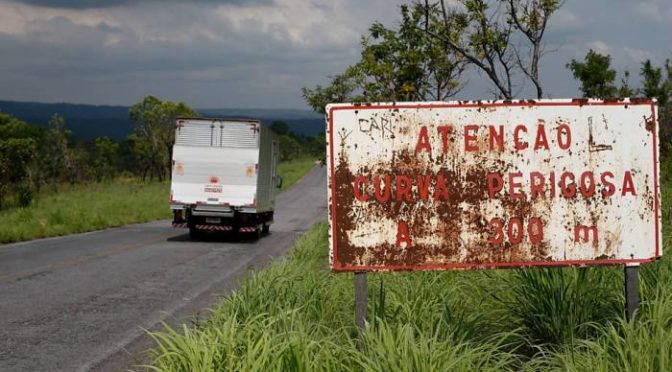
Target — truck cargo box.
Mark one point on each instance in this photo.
(221, 169)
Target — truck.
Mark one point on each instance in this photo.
(224, 176)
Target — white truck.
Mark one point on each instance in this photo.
(224, 176)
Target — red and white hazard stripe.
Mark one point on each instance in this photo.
(244, 229)
(214, 227)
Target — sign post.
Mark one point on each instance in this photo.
(360, 299)
(631, 291)
(493, 184)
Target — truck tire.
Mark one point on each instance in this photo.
(265, 230)
(258, 231)
(194, 233)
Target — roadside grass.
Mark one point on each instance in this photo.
(293, 170)
(296, 315)
(94, 206)
(87, 207)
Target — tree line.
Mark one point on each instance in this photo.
(427, 55)
(34, 158)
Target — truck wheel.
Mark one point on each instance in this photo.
(258, 231)
(266, 229)
(194, 233)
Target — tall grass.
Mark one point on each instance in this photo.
(557, 306)
(80, 208)
(295, 315)
(293, 170)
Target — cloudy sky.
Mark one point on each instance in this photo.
(259, 53)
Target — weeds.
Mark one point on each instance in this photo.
(297, 316)
(293, 170)
(80, 208)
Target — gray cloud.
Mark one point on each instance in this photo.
(236, 54)
(96, 4)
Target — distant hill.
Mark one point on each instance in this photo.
(91, 121)
(307, 123)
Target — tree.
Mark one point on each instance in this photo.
(625, 90)
(597, 77)
(106, 158)
(290, 148)
(406, 64)
(340, 89)
(11, 127)
(595, 74)
(395, 64)
(484, 35)
(18, 146)
(531, 17)
(154, 134)
(655, 85)
(56, 160)
(597, 80)
(318, 146)
(280, 127)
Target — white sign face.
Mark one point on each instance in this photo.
(479, 184)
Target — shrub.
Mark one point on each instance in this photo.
(25, 196)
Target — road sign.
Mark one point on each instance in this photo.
(487, 184)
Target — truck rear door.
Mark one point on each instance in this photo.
(214, 162)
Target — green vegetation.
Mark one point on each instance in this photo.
(36, 160)
(597, 80)
(152, 140)
(86, 207)
(293, 146)
(293, 170)
(296, 315)
(436, 41)
(99, 205)
(50, 185)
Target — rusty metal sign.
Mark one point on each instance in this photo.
(486, 184)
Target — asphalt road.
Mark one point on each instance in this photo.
(81, 302)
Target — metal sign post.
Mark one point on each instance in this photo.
(360, 299)
(631, 291)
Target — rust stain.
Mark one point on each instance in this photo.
(467, 198)
(650, 125)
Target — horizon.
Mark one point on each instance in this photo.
(126, 106)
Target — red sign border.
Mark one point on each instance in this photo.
(337, 267)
